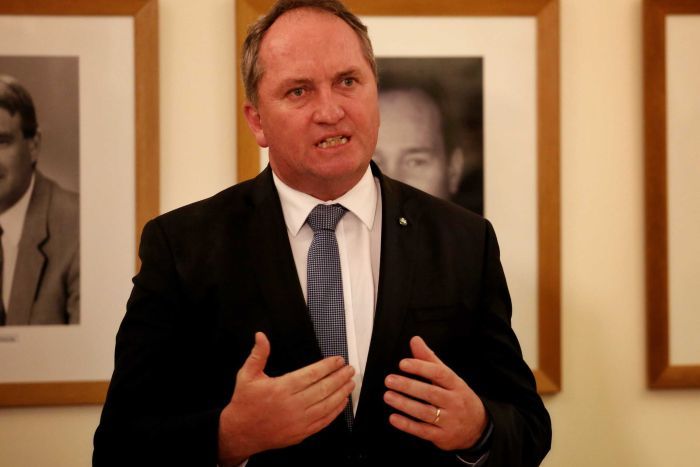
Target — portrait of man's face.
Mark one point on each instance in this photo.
(431, 131)
(411, 145)
(17, 158)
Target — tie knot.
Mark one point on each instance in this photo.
(325, 216)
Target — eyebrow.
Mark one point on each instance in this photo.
(419, 150)
(349, 71)
(293, 82)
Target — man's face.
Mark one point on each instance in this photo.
(411, 146)
(317, 103)
(17, 157)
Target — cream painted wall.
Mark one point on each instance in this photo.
(605, 416)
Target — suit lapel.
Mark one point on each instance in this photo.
(277, 275)
(290, 325)
(30, 258)
(399, 240)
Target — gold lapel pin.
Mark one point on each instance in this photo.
(403, 222)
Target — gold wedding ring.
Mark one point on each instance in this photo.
(437, 415)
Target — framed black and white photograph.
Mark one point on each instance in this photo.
(78, 179)
(431, 136)
(39, 198)
(672, 171)
(496, 64)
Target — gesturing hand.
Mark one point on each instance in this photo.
(268, 413)
(461, 418)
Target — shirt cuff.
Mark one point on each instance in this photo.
(478, 454)
(474, 463)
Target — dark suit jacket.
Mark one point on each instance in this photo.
(46, 283)
(216, 271)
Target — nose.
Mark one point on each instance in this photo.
(328, 108)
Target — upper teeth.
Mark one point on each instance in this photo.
(333, 141)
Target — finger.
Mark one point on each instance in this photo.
(326, 420)
(438, 373)
(304, 377)
(323, 408)
(418, 410)
(430, 393)
(254, 365)
(421, 430)
(323, 388)
(421, 351)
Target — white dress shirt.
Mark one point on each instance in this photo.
(12, 222)
(359, 243)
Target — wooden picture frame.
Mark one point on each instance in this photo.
(661, 372)
(144, 14)
(546, 15)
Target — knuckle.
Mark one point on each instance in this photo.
(397, 383)
(326, 388)
(441, 373)
(420, 431)
(313, 374)
(433, 392)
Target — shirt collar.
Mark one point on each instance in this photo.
(360, 200)
(12, 220)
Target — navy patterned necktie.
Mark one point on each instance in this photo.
(325, 286)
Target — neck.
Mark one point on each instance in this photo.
(323, 189)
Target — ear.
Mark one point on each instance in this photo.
(252, 116)
(455, 170)
(34, 146)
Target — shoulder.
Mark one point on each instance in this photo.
(62, 206)
(225, 215)
(428, 210)
(235, 201)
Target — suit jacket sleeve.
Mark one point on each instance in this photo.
(522, 428)
(148, 418)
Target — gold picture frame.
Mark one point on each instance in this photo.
(661, 373)
(144, 14)
(546, 15)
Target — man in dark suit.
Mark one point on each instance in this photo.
(39, 257)
(435, 374)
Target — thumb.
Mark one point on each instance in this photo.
(254, 366)
(421, 351)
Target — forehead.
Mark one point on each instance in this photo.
(410, 108)
(9, 123)
(307, 39)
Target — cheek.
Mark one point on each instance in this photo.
(8, 158)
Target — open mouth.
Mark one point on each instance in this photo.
(333, 141)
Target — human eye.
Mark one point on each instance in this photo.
(5, 139)
(348, 81)
(296, 92)
(416, 160)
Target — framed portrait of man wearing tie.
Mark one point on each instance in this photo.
(78, 179)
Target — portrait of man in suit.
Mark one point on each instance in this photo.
(322, 313)
(432, 126)
(39, 222)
